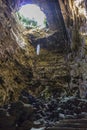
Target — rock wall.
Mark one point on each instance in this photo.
(15, 56)
(74, 14)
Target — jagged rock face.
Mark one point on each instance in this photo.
(72, 9)
(15, 68)
(74, 14)
(6, 22)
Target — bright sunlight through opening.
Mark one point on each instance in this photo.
(35, 17)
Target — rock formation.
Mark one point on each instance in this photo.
(16, 52)
(38, 86)
(14, 58)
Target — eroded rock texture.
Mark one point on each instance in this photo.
(15, 68)
(46, 81)
(74, 14)
(17, 55)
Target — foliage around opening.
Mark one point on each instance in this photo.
(29, 23)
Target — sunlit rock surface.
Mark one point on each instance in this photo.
(15, 66)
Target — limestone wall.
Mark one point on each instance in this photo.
(15, 56)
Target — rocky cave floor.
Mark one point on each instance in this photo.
(34, 113)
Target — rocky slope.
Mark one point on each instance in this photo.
(50, 74)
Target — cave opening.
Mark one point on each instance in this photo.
(31, 17)
(42, 23)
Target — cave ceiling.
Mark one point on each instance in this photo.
(57, 17)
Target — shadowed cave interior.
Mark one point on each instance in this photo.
(43, 64)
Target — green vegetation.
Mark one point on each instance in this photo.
(29, 23)
(45, 22)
